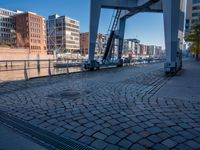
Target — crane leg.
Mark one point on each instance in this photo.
(171, 10)
(122, 25)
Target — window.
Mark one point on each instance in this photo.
(195, 1)
(195, 14)
(196, 8)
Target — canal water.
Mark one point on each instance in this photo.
(17, 71)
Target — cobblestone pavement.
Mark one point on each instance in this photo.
(108, 109)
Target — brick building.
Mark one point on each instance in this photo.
(31, 32)
(100, 43)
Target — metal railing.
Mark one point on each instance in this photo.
(27, 69)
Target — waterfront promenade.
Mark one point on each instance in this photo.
(121, 108)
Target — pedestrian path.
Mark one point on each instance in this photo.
(120, 108)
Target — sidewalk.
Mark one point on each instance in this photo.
(185, 85)
(11, 140)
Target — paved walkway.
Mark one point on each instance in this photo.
(122, 108)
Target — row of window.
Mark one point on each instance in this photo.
(34, 19)
(195, 14)
(5, 35)
(74, 26)
(35, 30)
(194, 21)
(67, 46)
(75, 22)
(35, 41)
(8, 13)
(195, 1)
(196, 8)
(35, 35)
(75, 34)
(70, 29)
(2, 40)
(6, 24)
(36, 47)
(35, 25)
(6, 19)
(4, 30)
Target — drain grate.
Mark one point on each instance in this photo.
(55, 141)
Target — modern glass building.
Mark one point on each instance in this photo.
(193, 13)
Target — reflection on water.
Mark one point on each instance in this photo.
(14, 70)
(14, 74)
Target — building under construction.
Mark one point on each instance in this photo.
(63, 34)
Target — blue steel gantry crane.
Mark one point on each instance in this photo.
(173, 12)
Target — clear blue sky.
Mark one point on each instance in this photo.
(147, 27)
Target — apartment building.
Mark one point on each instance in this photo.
(7, 27)
(193, 13)
(63, 34)
(100, 43)
(31, 32)
(84, 43)
(131, 45)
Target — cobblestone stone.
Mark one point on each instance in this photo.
(99, 135)
(137, 147)
(125, 143)
(169, 143)
(112, 139)
(99, 144)
(193, 144)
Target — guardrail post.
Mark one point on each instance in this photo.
(6, 64)
(49, 68)
(25, 71)
(38, 65)
(82, 65)
(67, 66)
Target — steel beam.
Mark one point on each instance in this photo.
(95, 11)
(122, 25)
(118, 4)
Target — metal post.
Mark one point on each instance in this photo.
(172, 16)
(49, 68)
(25, 71)
(95, 10)
(122, 24)
(38, 65)
(67, 66)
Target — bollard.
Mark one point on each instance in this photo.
(38, 65)
(67, 66)
(6, 64)
(25, 71)
(49, 68)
